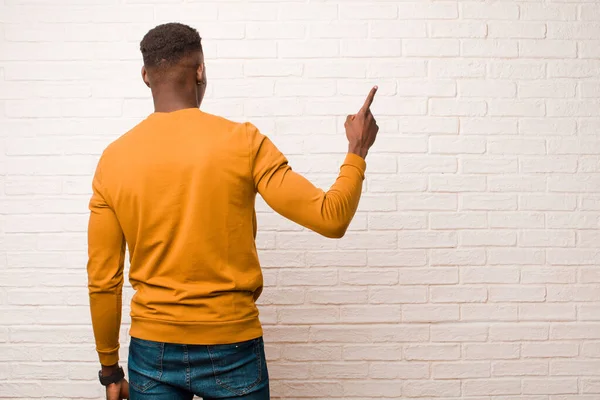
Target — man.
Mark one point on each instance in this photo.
(179, 190)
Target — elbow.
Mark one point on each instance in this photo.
(335, 231)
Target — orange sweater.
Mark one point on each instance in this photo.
(179, 191)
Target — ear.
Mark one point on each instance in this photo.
(145, 76)
(201, 74)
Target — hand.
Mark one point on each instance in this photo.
(118, 391)
(361, 128)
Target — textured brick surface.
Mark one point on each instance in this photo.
(471, 270)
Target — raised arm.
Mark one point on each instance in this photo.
(294, 197)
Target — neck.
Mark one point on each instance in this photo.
(171, 100)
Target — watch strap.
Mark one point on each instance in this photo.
(115, 377)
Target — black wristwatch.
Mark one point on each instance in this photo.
(115, 377)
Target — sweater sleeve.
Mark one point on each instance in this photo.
(106, 254)
(295, 198)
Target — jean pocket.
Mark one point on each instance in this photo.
(238, 367)
(145, 364)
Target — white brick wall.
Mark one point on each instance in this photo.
(472, 269)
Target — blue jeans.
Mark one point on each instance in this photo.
(164, 371)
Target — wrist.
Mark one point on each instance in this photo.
(359, 151)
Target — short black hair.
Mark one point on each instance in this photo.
(166, 44)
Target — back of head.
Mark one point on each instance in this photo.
(167, 44)
(174, 63)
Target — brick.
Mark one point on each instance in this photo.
(550, 350)
(339, 370)
(573, 293)
(436, 352)
(516, 146)
(547, 202)
(489, 166)
(519, 108)
(548, 275)
(548, 12)
(371, 314)
(279, 370)
(589, 275)
(491, 351)
(428, 201)
(370, 48)
(363, 389)
(308, 277)
(591, 385)
(291, 388)
(459, 333)
(517, 294)
(491, 202)
(458, 183)
(547, 312)
(555, 126)
(457, 69)
(488, 126)
(491, 387)
(431, 47)
(516, 220)
(560, 183)
(307, 316)
(427, 276)
(481, 88)
(460, 108)
(402, 258)
(360, 12)
(512, 29)
(512, 256)
(489, 275)
(393, 221)
(549, 386)
(574, 367)
(312, 12)
(485, 11)
(517, 70)
(444, 220)
(337, 296)
(589, 49)
(398, 295)
(447, 145)
(372, 353)
(520, 368)
(430, 313)
(547, 89)
(282, 334)
(428, 11)
(427, 164)
(489, 48)
(399, 370)
(487, 238)
(458, 29)
(573, 256)
(518, 332)
(458, 295)
(570, 108)
(368, 240)
(406, 183)
(573, 69)
(488, 312)
(426, 239)
(395, 69)
(460, 257)
(588, 238)
(573, 331)
(420, 88)
(370, 277)
(589, 312)
(431, 388)
(439, 125)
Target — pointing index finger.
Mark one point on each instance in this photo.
(369, 99)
